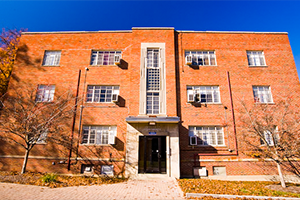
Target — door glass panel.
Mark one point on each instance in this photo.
(152, 154)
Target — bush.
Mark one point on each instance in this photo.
(49, 178)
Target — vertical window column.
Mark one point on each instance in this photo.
(152, 81)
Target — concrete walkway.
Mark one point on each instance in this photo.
(133, 189)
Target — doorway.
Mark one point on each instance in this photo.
(152, 154)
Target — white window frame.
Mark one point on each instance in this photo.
(94, 97)
(51, 58)
(208, 135)
(200, 56)
(97, 57)
(42, 138)
(268, 136)
(102, 135)
(256, 58)
(199, 90)
(262, 94)
(153, 85)
(45, 93)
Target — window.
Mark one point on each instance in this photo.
(204, 94)
(42, 138)
(256, 58)
(45, 93)
(104, 57)
(99, 134)
(208, 135)
(51, 58)
(96, 93)
(202, 57)
(219, 171)
(153, 81)
(107, 170)
(270, 137)
(262, 94)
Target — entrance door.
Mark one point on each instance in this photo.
(152, 154)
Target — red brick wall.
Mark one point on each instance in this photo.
(231, 57)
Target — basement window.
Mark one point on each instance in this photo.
(219, 171)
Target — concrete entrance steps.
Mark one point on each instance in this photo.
(151, 177)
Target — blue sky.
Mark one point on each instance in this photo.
(93, 15)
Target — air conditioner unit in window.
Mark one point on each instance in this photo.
(193, 140)
(117, 59)
(115, 97)
(191, 98)
(189, 60)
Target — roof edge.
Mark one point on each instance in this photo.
(153, 28)
(233, 32)
(76, 32)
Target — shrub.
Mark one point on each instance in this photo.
(49, 178)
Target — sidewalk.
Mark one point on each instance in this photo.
(133, 189)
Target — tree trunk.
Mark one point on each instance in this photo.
(25, 161)
(280, 175)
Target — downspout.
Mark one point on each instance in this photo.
(81, 110)
(234, 131)
(74, 120)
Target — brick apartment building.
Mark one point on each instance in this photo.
(156, 100)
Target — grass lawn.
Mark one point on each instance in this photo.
(255, 188)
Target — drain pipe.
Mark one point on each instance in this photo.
(81, 109)
(234, 131)
(74, 120)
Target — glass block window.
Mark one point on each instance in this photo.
(51, 58)
(99, 134)
(202, 57)
(104, 57)
(208, 135)
(97, 93)
(45, 93)
(204, 94)
(262, 94)
(256, 58)
(152, 103)
(153, 79)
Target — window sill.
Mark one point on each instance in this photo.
(43, 143)
(258, 66)
(202, 65)
(204, 103)
(223, 146)
(96, 145)
(103, 65)
(269, 103)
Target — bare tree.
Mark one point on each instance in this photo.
(273, 131)
(9, 42)
(26, 120)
